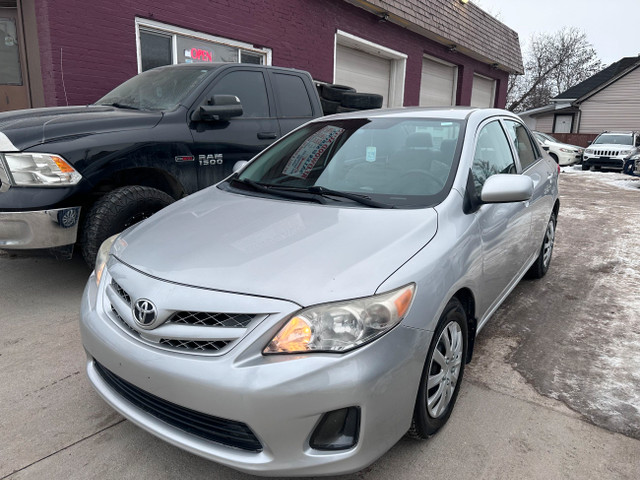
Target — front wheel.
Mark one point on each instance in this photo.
(442, 374)
(116, 211)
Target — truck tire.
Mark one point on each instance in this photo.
(335, 92)
(329, 106)
(342, 109)
(361, 101)
(116, 211)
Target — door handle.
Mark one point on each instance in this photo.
(267, 135)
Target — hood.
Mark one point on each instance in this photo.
(611, 146)
(301, 252)
(563, 145)
(27, 128)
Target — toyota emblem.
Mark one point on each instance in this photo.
(145, 313)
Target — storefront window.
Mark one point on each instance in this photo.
(10, 73)
(165, 45)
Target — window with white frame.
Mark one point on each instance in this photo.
(161, 44)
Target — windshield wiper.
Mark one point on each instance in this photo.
(119, 105)
(362, 199)
(278, 191)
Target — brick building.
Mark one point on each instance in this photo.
(413, 52)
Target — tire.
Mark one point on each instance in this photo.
(335, 92)
(586, 167)
(342, 109)
(361, 101)
(116, 211)
(541, 265)
(451, 329)
(328, 106)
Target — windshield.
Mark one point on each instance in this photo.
(615, 138)
(546, 136)
(396, 161)
(157, 89)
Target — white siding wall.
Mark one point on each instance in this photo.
(544, 123)
(617, 107)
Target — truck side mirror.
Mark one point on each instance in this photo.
(219, 108)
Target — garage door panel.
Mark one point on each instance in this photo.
(438, 83)
(363, 71)
(482, 92)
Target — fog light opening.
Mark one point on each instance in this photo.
(337, 430)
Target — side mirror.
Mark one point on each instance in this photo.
(239, 165)
(507, 188)
(220, 108)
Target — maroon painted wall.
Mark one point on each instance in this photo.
(88, 47)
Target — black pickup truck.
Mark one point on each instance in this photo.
(77, 175)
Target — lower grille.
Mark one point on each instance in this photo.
(213, 345)
(226, 432)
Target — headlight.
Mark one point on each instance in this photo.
(40, 169)
(624, 152)
(566, 150)
(342, 326)
(103, 256)
(589, 151)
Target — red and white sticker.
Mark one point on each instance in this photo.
(307, 155)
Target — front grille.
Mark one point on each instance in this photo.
(219, 430)
(203, 346)
(231, 320)
(606, 153)
(121, 292)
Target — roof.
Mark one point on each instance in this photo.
(599, 79)
(470, 29)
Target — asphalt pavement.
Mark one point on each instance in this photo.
(553, 391)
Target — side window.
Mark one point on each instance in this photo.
(293, 99)
(492, 155)
(249, 87)
(527, 152)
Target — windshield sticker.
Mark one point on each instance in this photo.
(371, 154)
(307, 155)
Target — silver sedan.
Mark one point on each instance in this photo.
(304, 314)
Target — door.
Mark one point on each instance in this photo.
(541, 172)
(504, 227)
(438, 84)
(14, 93)
(218, 145)
(365, 72)
(563, 124)
(483, 92)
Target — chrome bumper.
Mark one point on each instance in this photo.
(39, 229)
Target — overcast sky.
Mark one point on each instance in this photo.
(612, 26)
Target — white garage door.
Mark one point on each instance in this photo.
(363, 71)
(438, 84)
(483, 92)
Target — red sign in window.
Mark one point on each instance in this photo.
(201, 55)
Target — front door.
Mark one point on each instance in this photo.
(218, 145)
(14, 93)
(505, 227)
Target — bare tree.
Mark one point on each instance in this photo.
(553, 63)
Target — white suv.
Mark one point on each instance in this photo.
(563, 153)
(611, 150)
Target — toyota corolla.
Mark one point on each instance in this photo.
(303, 315)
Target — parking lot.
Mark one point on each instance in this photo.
(553, 390)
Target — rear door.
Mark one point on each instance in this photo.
(293, 100)
(218, 145)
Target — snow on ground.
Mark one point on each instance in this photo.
(616, 179)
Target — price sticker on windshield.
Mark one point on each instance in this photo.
(307, 155)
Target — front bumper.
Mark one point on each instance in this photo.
(566, 159)
(280, 398)
(604, 162)
(39, 229)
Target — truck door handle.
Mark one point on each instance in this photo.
(267, 135)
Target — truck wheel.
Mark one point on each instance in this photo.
(116, 211)
(335, 92)
(361, 101)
